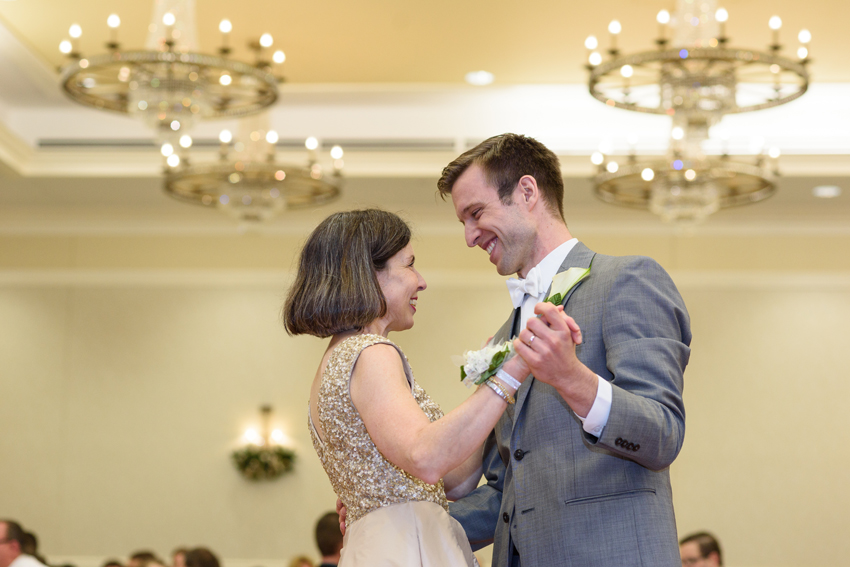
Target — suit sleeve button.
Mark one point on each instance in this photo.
(506, 518)
(519, 454)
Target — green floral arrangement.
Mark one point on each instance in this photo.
(263, 463)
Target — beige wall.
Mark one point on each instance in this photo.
(124, 384)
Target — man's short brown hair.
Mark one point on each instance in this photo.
(505, 159)
(328, 536)
(336, 288)
(707, 544)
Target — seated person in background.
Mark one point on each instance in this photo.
(329, 539)
(201, 557)
(12, 543)
(29, 546)
(700, 550)
(145, 558)
(301, 561)
(178, 557)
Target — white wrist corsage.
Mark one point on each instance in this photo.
(476, 366)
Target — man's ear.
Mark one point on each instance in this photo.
(529, 193)
(713, 558)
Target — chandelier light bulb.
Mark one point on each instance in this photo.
(663, 17)
(595, 58)
(336, 152)
(721, 15)
(277, 436)
(774, 152)
(279, 57)
(775, 23)
(596, 158)
(802, 53)
(65, 47)
(75, 31)
(168, 19)
(166, 149)
(173, 160)
(251, 435)
(266, 40)
(677, 133)
(612, 167)
(690, 175)
(185, 141)
(805, 36)
(647, 174)
(225, 137)
(311, 143)
(175, 125)
(113, 21)
(614, 27)
(225, 79)
(225, 26)
(272, 137)
(591, 42)
(627, 71)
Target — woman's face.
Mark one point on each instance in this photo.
(401, 284)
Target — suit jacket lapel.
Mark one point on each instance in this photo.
(579, 257)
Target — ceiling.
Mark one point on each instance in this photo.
(439, 41)
(386, 79)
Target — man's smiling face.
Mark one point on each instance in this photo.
(505, 231)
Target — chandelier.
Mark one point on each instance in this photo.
(247, 181)
(696, 78)
(169, 85)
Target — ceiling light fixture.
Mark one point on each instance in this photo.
(170, 80)
(695, 78)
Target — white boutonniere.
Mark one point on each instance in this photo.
(565, 281)
(476, 366)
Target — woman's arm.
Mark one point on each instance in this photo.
(464, 479)
(403, 433)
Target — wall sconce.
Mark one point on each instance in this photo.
(263, 458)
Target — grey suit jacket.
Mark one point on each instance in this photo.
(563, 496)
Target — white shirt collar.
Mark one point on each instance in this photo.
(548, 266)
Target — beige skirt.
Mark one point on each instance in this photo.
(406, 535)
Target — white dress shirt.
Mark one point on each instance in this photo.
(24, 560)
(597, 417)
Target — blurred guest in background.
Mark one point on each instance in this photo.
(301, 561)
(700, 550)
(178, 557)
(112, 563)
(329, 539)
(145, 558)
(12, 544)
(201, 557)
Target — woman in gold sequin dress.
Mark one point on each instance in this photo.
(388, 450)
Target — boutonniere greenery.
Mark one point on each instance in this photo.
(565, 281)
(476, 366)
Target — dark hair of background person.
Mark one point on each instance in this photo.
(145, 556)
(112, 563)
(29, 545)
(505, 159)
(14, 532)
(201, 557)
(707, 543)
(328, 536)
(336, 288)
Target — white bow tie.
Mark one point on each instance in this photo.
(531, 285)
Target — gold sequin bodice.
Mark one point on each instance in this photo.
(360, 475)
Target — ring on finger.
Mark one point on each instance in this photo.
(531, 340)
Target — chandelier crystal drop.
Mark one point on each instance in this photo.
(169, 84)
(695, 78)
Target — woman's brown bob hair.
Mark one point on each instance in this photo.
(337, 288)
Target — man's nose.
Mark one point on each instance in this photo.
(471, 233)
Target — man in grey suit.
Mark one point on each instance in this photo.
(577, 470)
